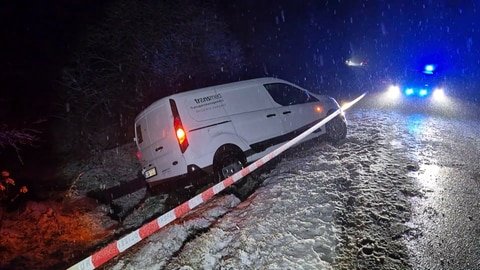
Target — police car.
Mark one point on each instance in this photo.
(415, 85)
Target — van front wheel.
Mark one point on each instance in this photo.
(336, 129)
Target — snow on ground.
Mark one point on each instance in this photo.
(162, 246)
(448, 216)
(51, 233)
(114, 167)
(401, 192)
(286, 224)
(48, 234)
(320, 207)
(102, 170)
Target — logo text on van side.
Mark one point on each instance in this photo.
(208, 98)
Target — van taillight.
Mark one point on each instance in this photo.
(180, 132)
(139, 155)
(181, 136)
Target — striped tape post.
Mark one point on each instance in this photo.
(115, 248)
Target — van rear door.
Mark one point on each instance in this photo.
(161, 154)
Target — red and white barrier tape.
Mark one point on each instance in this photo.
(115, 248)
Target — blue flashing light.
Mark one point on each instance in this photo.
(409, 92)
(423, 92)
(429, 69)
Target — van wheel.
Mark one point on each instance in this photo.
(336, 129)
(227, 161)
(230, 169)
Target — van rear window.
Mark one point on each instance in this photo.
(139, 134)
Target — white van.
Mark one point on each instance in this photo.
(217, 130)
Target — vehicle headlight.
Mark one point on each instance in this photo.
(439, 95)
(393, 91)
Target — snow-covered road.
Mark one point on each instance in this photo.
(401, 192)
(448, 215)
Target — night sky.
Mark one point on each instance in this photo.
(306, 42)
(298, 39)
(390, 35)
(37, 40)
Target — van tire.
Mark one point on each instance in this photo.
(228, 159)
(336, 129)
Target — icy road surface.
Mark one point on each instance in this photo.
(401, 192)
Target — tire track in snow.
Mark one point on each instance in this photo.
(376, 207)
(321, 207)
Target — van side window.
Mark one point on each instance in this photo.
(285, 94)
(139, 134)
(312, 98)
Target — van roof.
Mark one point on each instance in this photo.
(233, 85)
(239, 84)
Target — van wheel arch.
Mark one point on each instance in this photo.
(225, 155)
(336, 129)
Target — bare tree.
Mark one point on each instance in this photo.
(139, 52)
(17, 138)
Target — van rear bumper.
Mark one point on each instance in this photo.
(195, 175)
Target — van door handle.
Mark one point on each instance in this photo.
(287, 112)
(271, 115)
(158, 148)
